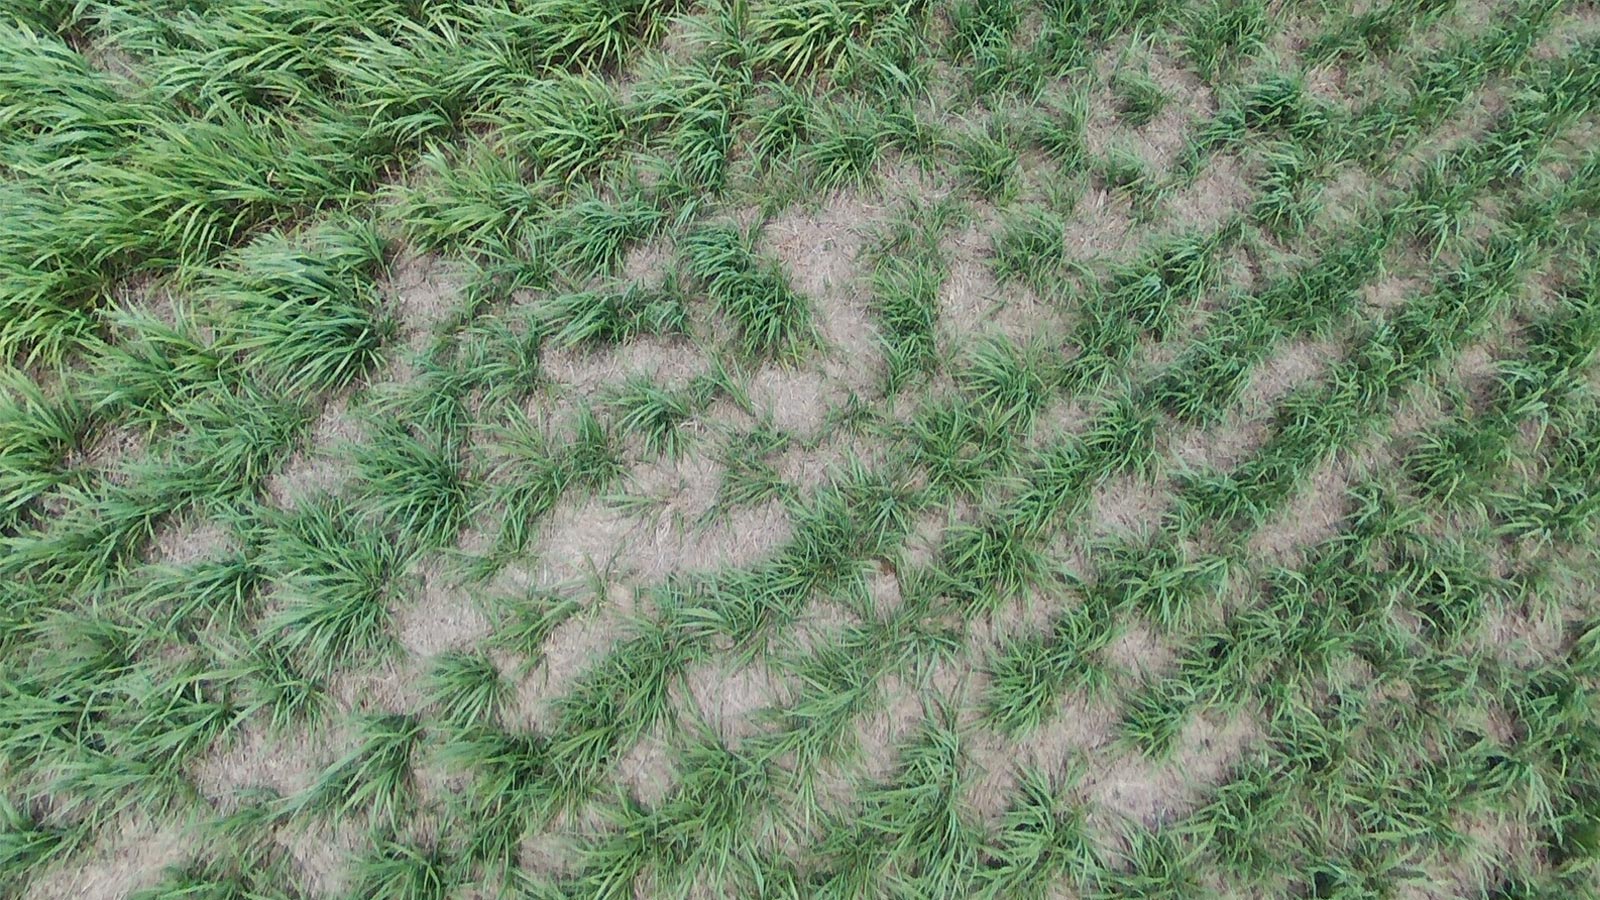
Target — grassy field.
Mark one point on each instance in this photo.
(799, 449)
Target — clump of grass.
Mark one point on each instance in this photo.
(406, 872)
(909, 268)
(1125, 174)
(1223, 34)
(1138, 98)
(749, 478)
(306, 319)
(37, 434)
(847, 142)
(374, 778)
(614, 317)
(471, 199)
(1057, 127)
(339, 574)
(525, 622)
(564, 128)
(467, 689)
(958, 448)
(1029, 247)
(414, 486)
(793, 39)
(771, 319)
(28, 845)
(987, 161)
(532, 471)
(655, 415)
(986, 564)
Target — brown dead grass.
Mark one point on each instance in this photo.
(128, 856)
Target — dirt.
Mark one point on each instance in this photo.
(1099, 228)
(129, 856)
(1133, 786)
(729, 698)
(319, 466)
(643, 547)
(1125, 506)
(589, 373)
(191, 539)
(422, 291)
(972, 303)
(1290, 365)
(820, 245)
(440, 615)
(254, 759)
(1222, 190)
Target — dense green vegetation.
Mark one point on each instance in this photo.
(808, 449)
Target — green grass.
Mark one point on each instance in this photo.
(853, 448)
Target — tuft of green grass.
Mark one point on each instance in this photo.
(414, 486)
(338, 574)
(1138, 98)
(656, 416)
(467, 689)
(771, 319)
(373, 778)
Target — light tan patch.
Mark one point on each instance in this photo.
(107, 450)
(128, 856)
(1099, 227)
(1295, 363)
(191, 540)
(1222, 447)
(1403, 281)
(647, 769)
(1079, 727)
(573, 647)
(254, 759)
(588, 372)
(881, 733)
(1140, 651)
(647, 546)
(647, 262)
(1310, 517)
(440, 615)
(322, 857)
(421, 292)
(1132, 786)
(730, 699)
(318, 466)
(1221, 191)
(392, 686)
(1126, 506)
(973, 303)
(797, 400)
(820, 245)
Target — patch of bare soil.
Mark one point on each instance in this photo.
(820, 245)
(644, 546)
(191, 539)
(254, 759)
(129, 855)
(1131, 786)
(587, 372)
(319, 466)
(729, 698)
(1127, 506)
(421, 291)
(972, 303)
(1099, 227)
(1222, 190)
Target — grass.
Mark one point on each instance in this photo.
(838, 449)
